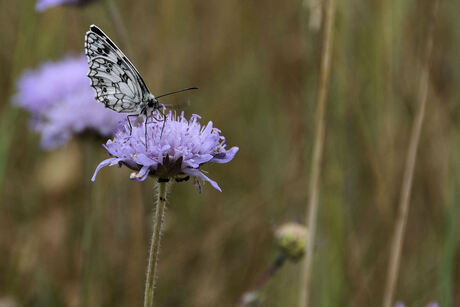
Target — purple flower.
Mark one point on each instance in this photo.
(61, 102)
(42, 5)
(430, 304)
(178, 153)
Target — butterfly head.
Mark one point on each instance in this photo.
(152, 103)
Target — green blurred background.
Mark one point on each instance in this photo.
(256, 64)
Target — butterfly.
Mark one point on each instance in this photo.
(117, 82)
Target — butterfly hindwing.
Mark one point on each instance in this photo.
(116, 81)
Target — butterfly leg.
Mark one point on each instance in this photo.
(129, 122)
(164, 122)
(145, 131)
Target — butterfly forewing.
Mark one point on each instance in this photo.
(117, 82)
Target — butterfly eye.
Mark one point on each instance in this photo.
(150, 104)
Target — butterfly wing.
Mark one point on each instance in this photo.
(116, 81)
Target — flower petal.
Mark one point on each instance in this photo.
(195, 162)
(141, 175)
(197, 173)
(101, 165)
(142, 159)
(227, 157)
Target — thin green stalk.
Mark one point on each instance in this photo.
(118, 24)
(92, 217)
(448, 262)
(263, 280)
(317, 155)
(9, 114)
(155, 244)
(404, 201)
(447, 268)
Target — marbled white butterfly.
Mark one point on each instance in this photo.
(117, 82)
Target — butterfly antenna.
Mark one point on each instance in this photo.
(175, 92)
(178, 106)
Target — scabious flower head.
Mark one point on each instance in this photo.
(42, 5)
(178, 151)
(61, 102)
(291, 238)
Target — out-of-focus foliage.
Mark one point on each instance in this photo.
(256, 64)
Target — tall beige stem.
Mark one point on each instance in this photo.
(404, 201)
(317, 154)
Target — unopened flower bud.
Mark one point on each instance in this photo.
(291, 240)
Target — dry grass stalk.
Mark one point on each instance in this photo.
(317, 154)
(403, 211)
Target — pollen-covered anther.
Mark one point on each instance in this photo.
(134, 175)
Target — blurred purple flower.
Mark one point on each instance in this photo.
(61, 102)
(178, 153)
(42, 5)
(430, 304)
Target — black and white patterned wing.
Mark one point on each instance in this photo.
(117, 82)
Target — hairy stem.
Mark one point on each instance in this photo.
(155, 245)
(404, 201)
(317, 155)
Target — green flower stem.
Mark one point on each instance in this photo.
(276, 265)
(92, 214)
(263, 280)
(155, 244)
